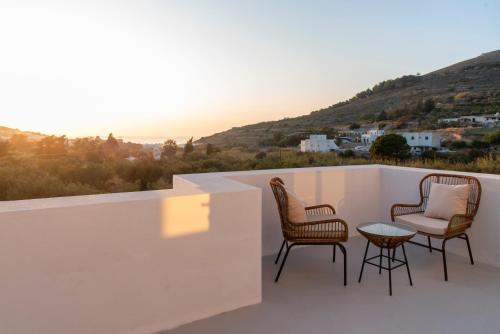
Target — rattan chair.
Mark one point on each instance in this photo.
(412, 214)
(321, 228)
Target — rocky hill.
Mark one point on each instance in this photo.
(6, 133)
(468, 87)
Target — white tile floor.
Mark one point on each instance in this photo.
(310, 297)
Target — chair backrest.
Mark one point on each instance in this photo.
(279, 191)
(451, 179)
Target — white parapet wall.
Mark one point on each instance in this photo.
(128, 263)
(148, 261)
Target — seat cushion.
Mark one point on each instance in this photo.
(447, 200)
(423, 223)
(296, 207)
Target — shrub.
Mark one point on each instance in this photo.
(493, 138)
(479, 144)
(458, 144)
(261, 155)
(346, 154)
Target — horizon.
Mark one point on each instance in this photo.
(139, 70)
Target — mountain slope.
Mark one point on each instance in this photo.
(6, 133)
(468, 87)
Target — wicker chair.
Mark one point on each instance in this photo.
(321, 228)
(412, 214)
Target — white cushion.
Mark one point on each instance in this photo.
(296, 207)
(424, 224)
(447, 200)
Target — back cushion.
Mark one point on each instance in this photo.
(296, 207)
(447, 200)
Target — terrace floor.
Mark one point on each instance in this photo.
(310, 297)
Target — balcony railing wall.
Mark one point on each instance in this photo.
(148, 261)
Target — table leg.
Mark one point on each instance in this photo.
(406, 262)
(364, 259)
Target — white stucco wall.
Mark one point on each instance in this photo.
(128, 263)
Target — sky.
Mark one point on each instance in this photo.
(193, 68)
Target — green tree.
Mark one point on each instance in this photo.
(382, 116)
(391, 146)
(111, 146)
(458, 144)
(212, 149)
(261, 155)
(493, 138)
(479, 144)
(170, 148)
(189, 147)
(51, 146)
(354, 126)
(20, 142)
(144, 171)
(88, 148)
(277, 138)
(428, 106)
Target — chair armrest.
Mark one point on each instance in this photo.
(405, 209)
(323, 209)
(459, 223)
(330, 225)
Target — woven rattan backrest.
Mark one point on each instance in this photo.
(277, 185)
(450, 179)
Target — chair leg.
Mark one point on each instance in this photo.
(334, 252)
(344, 251)
(390, 270)
(468, 247)
(429, 242)
(281, 249)
(406, 262)
(443, 251)
(283, 263)
(364, 259)
(380, 262)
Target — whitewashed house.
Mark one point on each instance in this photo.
(422, 141)
(371, 135)
(483, 120)
(157, 153)
(318, 143)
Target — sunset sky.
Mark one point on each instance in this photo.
(180, 68)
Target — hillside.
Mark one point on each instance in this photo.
(468, 87)
(6, 133)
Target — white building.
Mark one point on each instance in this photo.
(422, 141)
(318, 143)
(370, 136)
(157, 153)
(483, 120)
